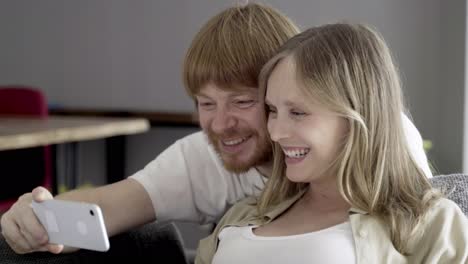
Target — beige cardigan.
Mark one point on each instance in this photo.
(445, 239)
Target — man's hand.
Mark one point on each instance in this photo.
(21, 228)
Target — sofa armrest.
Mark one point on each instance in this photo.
(455, 186)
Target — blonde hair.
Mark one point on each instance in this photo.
(232, 47)
(348, 69)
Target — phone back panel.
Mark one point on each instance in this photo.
(73, 224)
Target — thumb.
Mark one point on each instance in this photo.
(54, 248)
(40, 194)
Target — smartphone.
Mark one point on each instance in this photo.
(74, 224)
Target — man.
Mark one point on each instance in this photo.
(201, 175)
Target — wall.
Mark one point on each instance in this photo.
(448, 145)
(124, 54)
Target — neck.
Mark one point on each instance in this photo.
(325, 196)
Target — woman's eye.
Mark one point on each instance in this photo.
(271, 110)
(297, 113)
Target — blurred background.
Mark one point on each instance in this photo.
(122, 55)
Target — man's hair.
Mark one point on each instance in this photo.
(232, 47)
(349, 70)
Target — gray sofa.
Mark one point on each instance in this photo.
(154, 242)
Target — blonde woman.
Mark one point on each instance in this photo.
(344, 187)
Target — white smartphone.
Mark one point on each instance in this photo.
(74, 224)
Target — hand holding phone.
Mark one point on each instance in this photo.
(74, 224)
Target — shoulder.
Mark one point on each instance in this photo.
(196, 145)
(240, 213)
(443, 207)
(444, 234)
(200, 155)
(444, 220)
(197, 138)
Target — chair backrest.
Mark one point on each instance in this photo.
(23, 169)
(21, 100)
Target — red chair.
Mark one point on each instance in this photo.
(23, 169)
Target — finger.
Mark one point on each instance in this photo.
(32, 229)
(40, 194)
(54, 248)
(28, 224)
(33, 243)
(16, 241)
(14, 246)
(43, 249)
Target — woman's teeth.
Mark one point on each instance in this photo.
(297, 153)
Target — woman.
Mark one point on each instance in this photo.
(352, 192)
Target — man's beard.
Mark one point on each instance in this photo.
(261, 154)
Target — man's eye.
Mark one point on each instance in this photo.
(245, 103)
(206, 104)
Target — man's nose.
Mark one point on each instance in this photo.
(223, 120)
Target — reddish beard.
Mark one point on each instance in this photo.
(262, 152)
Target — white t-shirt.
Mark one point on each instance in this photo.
(333, 245)
(188, 182)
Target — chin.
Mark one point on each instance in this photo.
(296, 177)
(237, 165)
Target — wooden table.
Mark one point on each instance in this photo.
(21, 132)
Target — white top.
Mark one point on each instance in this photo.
(188, 182)
(333, 245)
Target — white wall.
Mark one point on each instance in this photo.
(128, 54)
(124, 54)
(449, 105)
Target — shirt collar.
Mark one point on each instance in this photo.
(283, 206)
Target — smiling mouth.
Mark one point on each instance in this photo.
(296, 153)
(234, 142)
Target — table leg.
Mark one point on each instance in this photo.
(115, 158)
(66, 167)
(73, 164)
(54, 169)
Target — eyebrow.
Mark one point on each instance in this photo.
(202, 95)
(287, 103)
(232, 94)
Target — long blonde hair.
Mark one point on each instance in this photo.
(232, 47)
(349, 69)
